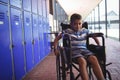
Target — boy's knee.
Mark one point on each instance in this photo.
(92, 59)
(82, 61)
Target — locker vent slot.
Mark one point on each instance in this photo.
(27, 20)
(16, 18)
(2, 15)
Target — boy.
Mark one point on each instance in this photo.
(79, 50)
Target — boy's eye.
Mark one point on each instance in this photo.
(77, 23)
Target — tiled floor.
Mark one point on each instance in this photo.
(113, 55)
(46, 70)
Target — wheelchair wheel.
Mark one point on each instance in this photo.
(108, 75)
(60, 67)
(90, 73)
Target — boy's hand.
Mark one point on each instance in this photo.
(56, 51)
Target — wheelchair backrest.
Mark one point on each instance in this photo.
(66, 41)
(65, 26)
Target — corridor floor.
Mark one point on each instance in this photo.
(46, 69)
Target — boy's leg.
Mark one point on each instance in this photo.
(96, 67)
(83, 69)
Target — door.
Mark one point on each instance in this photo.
(17, 43)
(5, 53)
(35, 38)
(28, 40)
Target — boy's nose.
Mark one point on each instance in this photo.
(78, 25)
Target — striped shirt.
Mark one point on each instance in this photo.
(78, 39)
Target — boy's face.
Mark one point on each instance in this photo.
(77, 24)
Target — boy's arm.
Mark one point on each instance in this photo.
(55, 44)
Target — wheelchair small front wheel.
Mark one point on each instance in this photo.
(60, 68)
(108, 75)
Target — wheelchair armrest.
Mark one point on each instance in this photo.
(95, 35)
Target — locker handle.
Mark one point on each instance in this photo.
(7, 13)
(24, 42)
(33, 41)
(12, 45)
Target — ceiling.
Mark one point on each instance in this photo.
(83, 7)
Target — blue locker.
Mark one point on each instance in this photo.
(40, 7)
(44, 6)
(28, 40)
(34, 6)
(17, 40)
(5, 55)
(16, 3)
(44, 36)
(35, 38)
(6, 1)
(41, 40)
(42, 27)
(27, 5)
(48, 36)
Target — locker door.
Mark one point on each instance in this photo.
(35, 39)
(27, 5)
(44, 6)
(5, 55)
(34, 6)
(41, 40)
(45, 36)
(6, 1)
(40, 7)
(48, 36)
(16, 3)
(17, 40)
(28, 40)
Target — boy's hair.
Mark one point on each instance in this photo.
(74, 17)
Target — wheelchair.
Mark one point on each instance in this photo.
(65, 65)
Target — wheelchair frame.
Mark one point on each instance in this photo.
(62, 66)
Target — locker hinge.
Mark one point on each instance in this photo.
(23, 43)
(11, 46)
(33, 41)
(8, 14)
